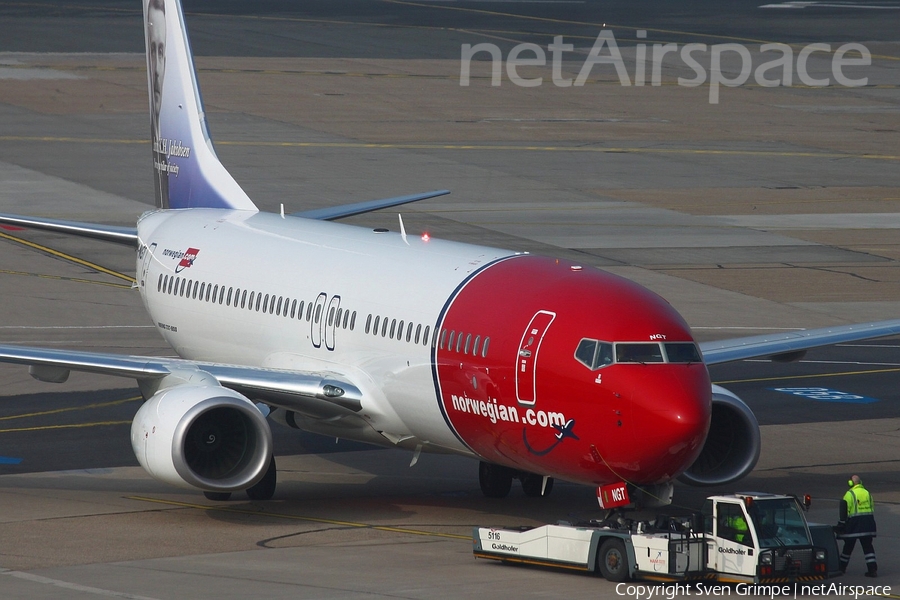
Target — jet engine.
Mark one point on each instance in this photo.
(732, 445)
(200, 436)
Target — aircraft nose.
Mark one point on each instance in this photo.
(672, 414)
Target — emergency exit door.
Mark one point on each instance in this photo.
(526, 360)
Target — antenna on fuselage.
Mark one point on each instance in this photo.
(402, 229)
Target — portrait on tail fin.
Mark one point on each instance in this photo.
(186, 171)
(156, 69)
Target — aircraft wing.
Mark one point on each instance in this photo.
(791, 345)
(109, 233)
(317, 394)
(331, 213)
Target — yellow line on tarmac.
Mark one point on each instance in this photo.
(483, 147)
(68, 257)
(71, 408)
(241, 511)
(61, 278)
(72, 426)
(603, 25)
(787, 377)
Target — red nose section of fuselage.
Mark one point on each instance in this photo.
(527, 401)
(669, 420)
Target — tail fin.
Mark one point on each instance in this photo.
(186, 171)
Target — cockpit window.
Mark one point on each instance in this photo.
(638, 353)
(682, 352)
(594, 354)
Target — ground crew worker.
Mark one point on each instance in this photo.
(858, 517)
(739, 524)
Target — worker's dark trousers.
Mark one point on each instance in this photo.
(868, 549)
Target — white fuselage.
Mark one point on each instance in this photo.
(314, 287)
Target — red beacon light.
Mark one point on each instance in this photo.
(425, 237)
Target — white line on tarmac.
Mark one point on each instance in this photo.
(72, 586)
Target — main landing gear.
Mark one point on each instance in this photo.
(263, 490)
(496, 481)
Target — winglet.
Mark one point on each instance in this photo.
(186, 171)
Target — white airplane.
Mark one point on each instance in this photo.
(538, 368)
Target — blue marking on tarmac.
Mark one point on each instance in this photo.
(821, 394)
(9, 460)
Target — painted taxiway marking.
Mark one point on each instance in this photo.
(72, 426)
(61, 278)
(790, 377)
(349, 524)
(66, 257)
(57, 411)
(75, 587)
(476, 147)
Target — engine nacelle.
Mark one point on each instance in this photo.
(732, 445)
(200, 436)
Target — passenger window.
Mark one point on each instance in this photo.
(159, 283)
(318, 313)
(181, 290)
(300, 310)
(293, 308)
(468, 339)
(259, 298)
(443, 337)
(425, 336)
(228, 301)
(244, 299)
(484, 349)
(208, 292)
(353, 321)
(475, 345)
(459, 342)
(450, 340)
(384, 325)
(375, 329)
(393, 327)
(409, 331)
(222, 294)
(331, 317)
(265, 307)
(309, 311)
(196, 285)
(368, 323)
(187, 289)
(418, 332)
(280, 301)
(346, 318)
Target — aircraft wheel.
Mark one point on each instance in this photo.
(613, 561)
(265, 489)
(531, 485)
(495, 481)
(217, 496)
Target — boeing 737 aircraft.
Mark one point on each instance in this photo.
(538, 368)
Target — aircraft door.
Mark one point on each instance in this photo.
(526, 360)
(146, 258)
(317, 323)
(331, 324)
